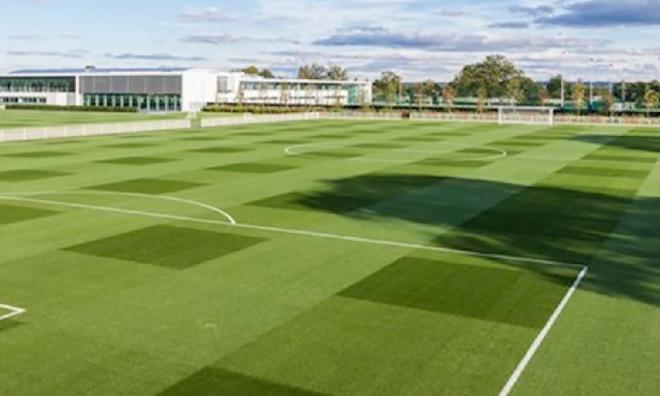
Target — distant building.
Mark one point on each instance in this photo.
(248, 89)
(167, 90)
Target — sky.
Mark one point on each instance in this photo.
(592, 40)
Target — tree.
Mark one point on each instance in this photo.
(482, 98)
(651, 100)
(491, 75)
(533, 92)
(337, 73)
(255, 71)
(387, 86)
(362, 100)
(314, 71)
(448, 95)
(420, 95)
(607, 103)
(554, 86)
(577, 96)
(514, 90)
(432, 90)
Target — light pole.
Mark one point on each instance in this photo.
(561, 75)
(591, 84)
(623, 87)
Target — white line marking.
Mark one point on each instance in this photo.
(295, 232)
(13, 311)
(541, 336)
(291, 150)
(127, 194)
(519, 369)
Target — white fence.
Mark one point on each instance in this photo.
(257, 119)
(12, 135)
(358, 115)
(493, 117)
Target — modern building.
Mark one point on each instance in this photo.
(145, 89)
(167, 90)
(248, 89)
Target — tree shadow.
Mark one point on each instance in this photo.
(649, 144)
(8, 324)
(543, 222)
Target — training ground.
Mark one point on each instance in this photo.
(332, 257)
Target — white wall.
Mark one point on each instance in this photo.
(199, 88)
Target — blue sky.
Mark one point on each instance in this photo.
(588, 39)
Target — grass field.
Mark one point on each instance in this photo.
(38, 118)
(332, 258)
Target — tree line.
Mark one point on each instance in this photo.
(314, 71)
(496, 79)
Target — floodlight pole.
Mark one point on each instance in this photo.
(563, 87)
(591, 86)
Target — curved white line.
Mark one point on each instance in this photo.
(214, 209)
(291, 149)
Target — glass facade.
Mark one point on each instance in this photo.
(142, 102)
(37, 84)
(21, 100)
(134, 85)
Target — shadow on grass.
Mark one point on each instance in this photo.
(545, 222)
(8, 324)
(649, 144)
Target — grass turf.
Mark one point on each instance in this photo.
(37, 118)
(125, 303)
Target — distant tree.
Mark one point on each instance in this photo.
(337, 73)
(314, 71)
(533, 92)
(637, 92)
(514, 90)
(651, 100)
(362, 100)
(607, 103)
(492, 75)
(448, 95)
(554, 87)
(255, 71)
(578, 96)
(482, 99)
(420, 95)
(432, 90)
(387, 86)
